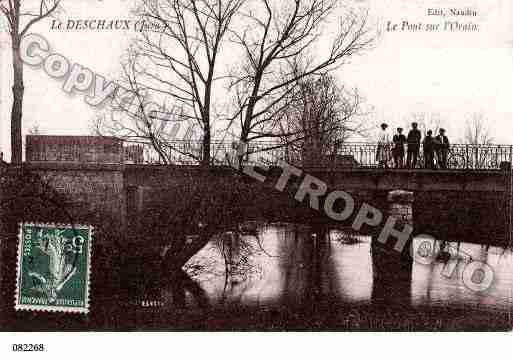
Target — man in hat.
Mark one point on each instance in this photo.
(398, 150)
(428, 144)
(442, 149)
(383, 150)
(413, 141)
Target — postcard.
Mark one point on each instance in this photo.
(255, 165)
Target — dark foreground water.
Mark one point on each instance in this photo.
(294, 277)
(272, 268)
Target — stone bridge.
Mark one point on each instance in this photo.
(458, 204)
(449, 204)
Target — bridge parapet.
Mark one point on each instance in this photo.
(347, 155)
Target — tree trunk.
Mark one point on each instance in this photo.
(205, 161)
(17, 104)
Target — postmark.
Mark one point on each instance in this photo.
(54, 264)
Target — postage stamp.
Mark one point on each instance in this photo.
(54, 264)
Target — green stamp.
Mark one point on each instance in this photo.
(54, 267)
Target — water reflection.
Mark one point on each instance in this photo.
(278, 266)
(351, 267)
(442, 282)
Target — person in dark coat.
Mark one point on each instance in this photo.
(398, 151)
(428, 145)
(443, 146)
(413, 141)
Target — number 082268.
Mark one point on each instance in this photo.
(28, 347)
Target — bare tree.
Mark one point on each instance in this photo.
(276, 34)
(137, 120)
(320, 118)
(477, 138)
(477, 131)
(174, 62)
(20, 19)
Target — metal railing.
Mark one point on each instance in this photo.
(350, 154)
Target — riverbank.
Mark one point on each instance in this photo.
(321, 317)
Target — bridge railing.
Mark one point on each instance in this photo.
(350, 154)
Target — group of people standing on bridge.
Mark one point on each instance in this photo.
(393, 148)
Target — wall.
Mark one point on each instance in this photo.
(82, 149)
(96, 189)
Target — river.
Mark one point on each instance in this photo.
(272, 267)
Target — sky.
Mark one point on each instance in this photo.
(442, 74)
